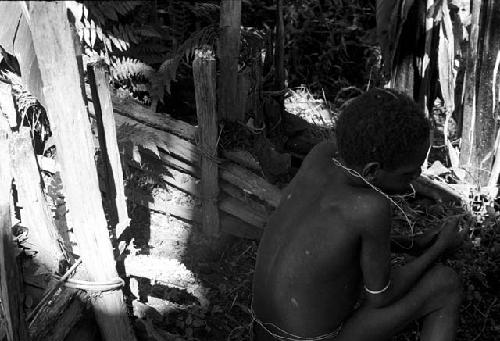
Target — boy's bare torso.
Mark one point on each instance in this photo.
(308, 275)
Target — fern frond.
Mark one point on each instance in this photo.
(207, 36)
(126, 68)
(140, 136)
(206, 10)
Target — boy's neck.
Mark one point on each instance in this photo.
(351, 176)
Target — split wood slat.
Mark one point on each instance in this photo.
(35, 213)
(55, 321)
(11, 296)
(235, 202)
(251, 183)
(71, 130)
(181, 148)
(7, 107)
(228, 223)
(204, 74)
(115, 192)
(140, 113)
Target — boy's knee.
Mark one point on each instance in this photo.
(447, 281)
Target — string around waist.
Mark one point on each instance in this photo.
(287, 336)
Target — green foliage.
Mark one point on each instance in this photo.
(330, 44)
(139, 146)
(144, 42)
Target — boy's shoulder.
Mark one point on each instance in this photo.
(360, 208)
(366, 208)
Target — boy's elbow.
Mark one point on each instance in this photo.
(378, 300)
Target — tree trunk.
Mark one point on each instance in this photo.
(481, 93)
(229, 52)
(70, 125)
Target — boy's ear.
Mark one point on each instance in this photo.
(370, 170)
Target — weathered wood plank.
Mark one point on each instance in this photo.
(205, 93)
(55, 320)
(235, 203)
(244, 158)
(7, 104)
(35, 213)
(181, 148)
(228, 51)
(11, 302)
(244, 197)
(251, 183)
(230, 172)
(239, 209)
(70, 126)
(132, 109)
(99, 84)
(229, 223)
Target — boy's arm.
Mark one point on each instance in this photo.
(375, 260)
(414, 246)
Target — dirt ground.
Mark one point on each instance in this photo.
(206, 290)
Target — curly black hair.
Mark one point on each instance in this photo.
(381, 125)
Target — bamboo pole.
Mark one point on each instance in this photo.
(229, 52)
(70, 126)
(205, 94)
(115, 191)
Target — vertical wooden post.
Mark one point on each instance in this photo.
(70, 126)
(115, 191)
(79, 59)
(229, 52)
(204, 83)
(279, 54)
(10, 281)
(257, 95)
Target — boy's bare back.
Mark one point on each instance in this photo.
(323, 268)
(308, 265)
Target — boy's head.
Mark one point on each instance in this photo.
(385, 128)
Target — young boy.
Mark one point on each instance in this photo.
(323, 269)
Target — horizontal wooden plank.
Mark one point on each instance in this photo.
(229, 223)
(250, 182)
(132, 109)
(170, 143)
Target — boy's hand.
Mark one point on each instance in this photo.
(428, 238)
(450, 237)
